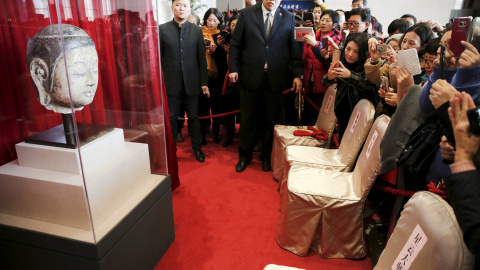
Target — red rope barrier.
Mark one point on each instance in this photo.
(310, 101)
(218, 115)
(405, 193)
(317, 134)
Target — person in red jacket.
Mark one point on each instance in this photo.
(315, 65)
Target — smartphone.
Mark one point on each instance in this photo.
(385, 83)
(208, 42)
(226, 36)
(442, 61)
(308, 16)
(335, 56)
(474, 120)
(325, 43)
(460, 30)
(381, 49)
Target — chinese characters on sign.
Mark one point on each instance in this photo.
(414, 245)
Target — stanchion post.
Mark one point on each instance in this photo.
(299, 118)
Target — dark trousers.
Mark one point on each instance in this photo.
(191, 107)
(261, 109)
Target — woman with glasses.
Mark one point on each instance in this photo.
(315, 65)
(217, 68)
(349, 75)
(416, 37)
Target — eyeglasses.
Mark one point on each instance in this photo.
(353, 24)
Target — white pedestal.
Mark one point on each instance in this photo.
(45, 185)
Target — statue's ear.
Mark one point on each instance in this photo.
(39, 73)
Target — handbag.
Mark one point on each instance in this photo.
(424, 142)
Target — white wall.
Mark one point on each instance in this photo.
(384, 10)
(387, 10)
(164, 10)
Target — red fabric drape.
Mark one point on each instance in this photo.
(130, 93)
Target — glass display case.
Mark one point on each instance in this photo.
(83, 153)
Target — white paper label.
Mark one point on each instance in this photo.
(414, 245)
(329, 102)
(355, 122)
(372, 142)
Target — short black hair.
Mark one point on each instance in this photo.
(215, 12)
(432, 46)
(364, 2)
(398, 24)
(333, 14)
(376, 25)
(363, 12)
(409, 16)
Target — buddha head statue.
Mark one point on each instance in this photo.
(54, 73)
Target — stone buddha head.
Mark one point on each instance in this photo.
(54, 73)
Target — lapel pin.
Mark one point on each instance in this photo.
(280, 14)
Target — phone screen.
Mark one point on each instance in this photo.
(308, 16)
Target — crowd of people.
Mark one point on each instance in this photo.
(246, 58)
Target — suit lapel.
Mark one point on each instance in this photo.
(276, 21)
(261, 21)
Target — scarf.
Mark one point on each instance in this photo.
(211, 64)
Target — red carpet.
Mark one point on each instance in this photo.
(227, 220)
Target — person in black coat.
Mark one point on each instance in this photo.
(182, 56)
(263, 56)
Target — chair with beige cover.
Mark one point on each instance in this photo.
(341, 159)
(426, 237)
(323, 209)
(283, 135)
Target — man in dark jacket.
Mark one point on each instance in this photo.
(263, 54)
(182, 55)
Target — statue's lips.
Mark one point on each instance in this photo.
(89, 93)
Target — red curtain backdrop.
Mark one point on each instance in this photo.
(130, 93)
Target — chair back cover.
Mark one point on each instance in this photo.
(326, 119)
(357, 130)
(368, 163)
(428, 236)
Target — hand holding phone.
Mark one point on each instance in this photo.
(208, 42)
(474, 120)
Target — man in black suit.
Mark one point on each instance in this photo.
(184, 65)
(263, 56)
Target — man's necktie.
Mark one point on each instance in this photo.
(268, 24)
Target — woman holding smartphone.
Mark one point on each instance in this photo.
(349, 75)
(217, 68)
(315, 66)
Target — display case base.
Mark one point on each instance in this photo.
(138, 241)
(56, 136)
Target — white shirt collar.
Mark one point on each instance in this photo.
(265, 11)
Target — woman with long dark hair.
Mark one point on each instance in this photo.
(217, 68)
(349, 75)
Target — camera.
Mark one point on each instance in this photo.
(474, 120)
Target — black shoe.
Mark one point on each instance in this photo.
(266, 166)
(199, 155)
(241, 165)
(216, 139)
(179, 138)
(227, 142)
